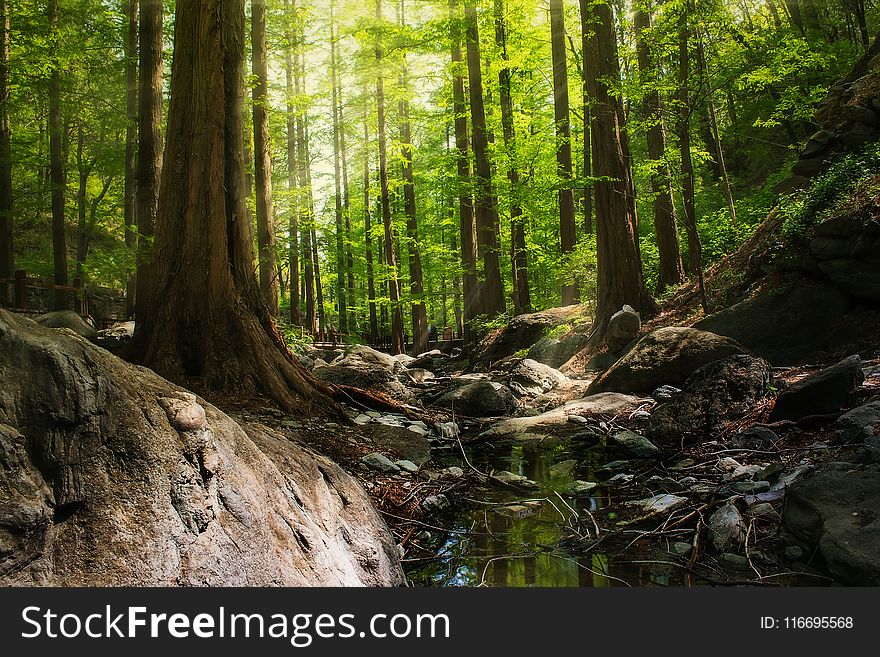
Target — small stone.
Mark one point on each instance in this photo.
(408, 466)
(374, 414)
(363, 419)
(793, 553)
(726, 528)
(417, 430)
(612, 468)
(512, 479)
(750, 487)
(665, 503)
(620, 478)
(578, 419)
(454, 471)
(744, 472)
(728, 464)
(687, 481)
(681, 549)
(763, 510)
(665, 393)
(733, 562)
(684, 464)
(564, 468)
(636, 445)
(448, 430)
(579, 488)
(435, 503)
(380, 463)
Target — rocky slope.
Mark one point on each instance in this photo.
(110, 475)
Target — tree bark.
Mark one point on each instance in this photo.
(7, 261)
(208, 323)
(587, 191)
(292, 168)
(56, 165)
(368, 237)
(341, 305)
(683, 128)
(419, 312)
(467, 226)
(619, 278)
(263, 159)
(522, 302)
(486, 205)
(304, 194)
(398, 342)
(129, 212)
(665, 223)
(567, 231)
(149, 152)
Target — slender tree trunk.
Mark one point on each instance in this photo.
(209, 324)
(263, 159)
(346, 213)
(794, 15)
(303, 175)
(774, 13)
(398, 341)
(83, 169)
(587, 111)
(683, 128)
(130, 192)
(341, 305)
(368, 237)
(619, 279)
(665, 222)
(467, 225)
(292, 168)
(56, 166)
(7, 261)
(522, 302)
(319, 287)
(149, 152)
(486, 205)
(419, 312)
(567, 231)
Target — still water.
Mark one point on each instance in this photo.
(518, 538)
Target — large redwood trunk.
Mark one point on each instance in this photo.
(207, 323)
(619, 267)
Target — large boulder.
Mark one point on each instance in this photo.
(70, 320)
(666, 356)
(523, 331)
(715, 394)
(529, 377)
(479, 399)
(824, 392)
(368, 369)
(833, 511)
(112, 476)
(798, 323)
(115, 337)
(862, 424)
(556, 352)
(400, 441)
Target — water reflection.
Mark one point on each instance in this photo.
(512, 538)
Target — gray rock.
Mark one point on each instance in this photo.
(720, 392)
(765, 511)
(454, 471)
(119, 335)
(100, 487)
(447, 429)
(417, 375)
(580, 488)
(681, 549)
(859, 424)
(380, 463)
(636, 445)
(511, 479)
(563, 468)
(821, 393)
(479, 399)
(407, 466)
(529, 377)
(727, 530)
(786, 328)
(749, 487)
(623, 328)
(733, 561)
(793, 552)
(666, 356)
(818, 143)
(665, 393)
(70, 320)
(435, 503)
(659, 504)
(754, 438)
(556, 353)
(363, 419)
(872, 446)
(402, 442)
(833, 511)
(854, 275)
(417, 429)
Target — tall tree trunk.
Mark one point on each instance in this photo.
(683, 128)
(567, 231)
(398, 341)
(665, 222)
(368, 237)
(467, 225)
(486, 205)
(292, 168)
(209, 324)
(263, 159)
(522, 302)
(794, 15)
(56, 164)
(319, 288)
(346, 213)
(149, 152)
(341, 305)
(419, 311)
(587, 191)
(774, 13)
(619, 279)
(304, 194)
(7, 262)
(129, 196)
(83, 170)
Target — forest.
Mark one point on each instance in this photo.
(534, 234)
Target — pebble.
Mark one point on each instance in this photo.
(454, 471)
(681, 549)
(793, 553)
(363, 419)
(406, 465)
(578, 419)
(750, 487)
(379, 462)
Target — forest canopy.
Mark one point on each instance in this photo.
(422, 162)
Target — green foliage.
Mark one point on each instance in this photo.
(804, 210)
